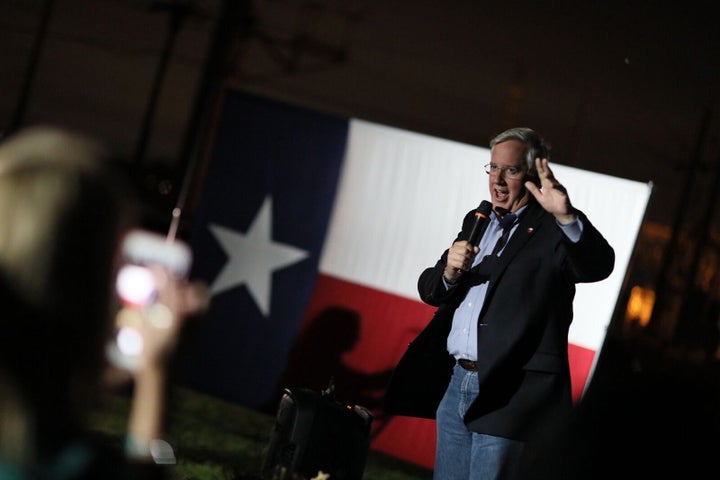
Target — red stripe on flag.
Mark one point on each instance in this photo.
(386, 323)
(581, 361)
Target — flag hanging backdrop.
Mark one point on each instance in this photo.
(312, 231)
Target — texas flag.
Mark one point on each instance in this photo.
(312, 230)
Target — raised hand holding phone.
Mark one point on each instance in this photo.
(155, 299)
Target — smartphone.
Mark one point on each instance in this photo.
(137, 292)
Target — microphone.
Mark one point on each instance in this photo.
(482, 214)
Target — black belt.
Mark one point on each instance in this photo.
(468, 364)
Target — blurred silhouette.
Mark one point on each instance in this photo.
(316, 362)
(63, 216)
(638, 419)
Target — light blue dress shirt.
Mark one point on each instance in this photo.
(462, 340)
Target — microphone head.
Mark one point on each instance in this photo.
(484, 208)
(481, 217)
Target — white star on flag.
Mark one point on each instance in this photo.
(253, 257)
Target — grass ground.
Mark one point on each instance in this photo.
(218, 440)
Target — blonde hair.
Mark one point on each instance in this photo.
(59, 215)
(63, 209)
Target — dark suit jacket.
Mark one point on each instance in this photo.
(522, 353)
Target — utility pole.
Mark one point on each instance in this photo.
(178, 12)
(18, 116)
(662, 285)
(234, 17)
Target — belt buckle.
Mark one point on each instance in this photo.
(468, 365)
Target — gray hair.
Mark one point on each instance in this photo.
(536, 146)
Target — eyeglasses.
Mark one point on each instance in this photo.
(509, 172)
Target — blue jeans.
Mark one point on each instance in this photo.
(464, 455)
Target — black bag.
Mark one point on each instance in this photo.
(315, 433)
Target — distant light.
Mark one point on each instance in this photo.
(640, 305)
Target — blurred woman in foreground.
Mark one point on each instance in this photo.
(63, 216)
